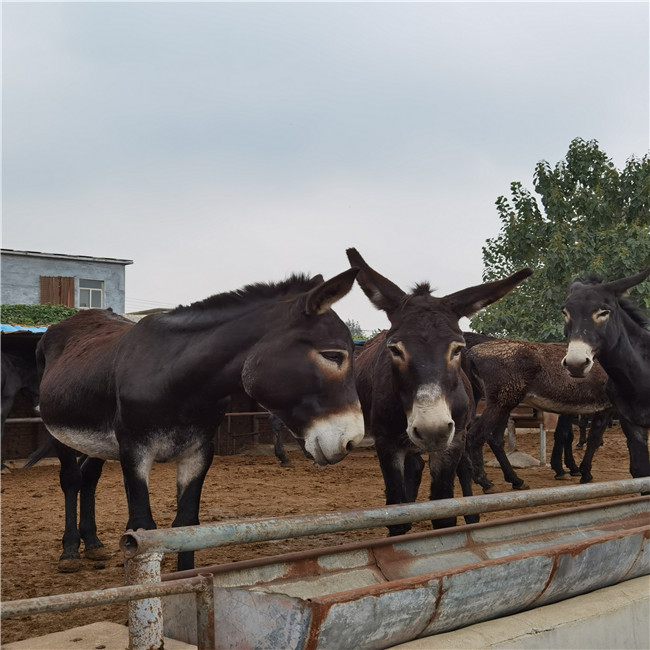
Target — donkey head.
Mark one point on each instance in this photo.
(594, 316)
(424, 343)
(301, 371)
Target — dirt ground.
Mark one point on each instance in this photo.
(246, 485)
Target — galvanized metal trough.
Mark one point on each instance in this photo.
(387, 591)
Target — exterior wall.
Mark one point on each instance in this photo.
(21, 278)
(21, 439)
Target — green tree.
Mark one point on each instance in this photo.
(593, 219)
(357, 333)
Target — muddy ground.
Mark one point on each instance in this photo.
(246, 485)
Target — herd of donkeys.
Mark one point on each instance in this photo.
(155, 390)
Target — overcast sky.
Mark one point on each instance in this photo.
(219, 144)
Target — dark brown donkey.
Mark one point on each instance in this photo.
(602, 324)
(414, 395)
(156, 390)
(509, 372)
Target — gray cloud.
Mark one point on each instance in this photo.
(223, 143)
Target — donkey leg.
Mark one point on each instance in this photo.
(191, 472)
(569, 460)
(562, 439)
(91, 470)
(594, 440)
(70, 480)
(496, 445)
(443, 474)
(476, 437)
(136, 465)
(637, 444)
(402, 472)
(582, 426)
(464, 473)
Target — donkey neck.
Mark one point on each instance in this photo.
(626, 360)
(221, 345)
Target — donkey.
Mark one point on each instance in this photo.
(155, 391)
(414, 395)
(510, 372)
(603, 325)
(19, 377)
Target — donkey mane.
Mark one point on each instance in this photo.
(250, 295)
(422, 289)
(632, 310)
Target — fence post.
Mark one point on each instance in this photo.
(145, 616)
(205, 613)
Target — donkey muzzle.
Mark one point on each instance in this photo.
(430, 425)
(330, 438)
(579, 359)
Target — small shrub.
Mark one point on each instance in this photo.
(35, 315)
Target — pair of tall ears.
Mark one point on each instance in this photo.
(616, 287)
(387, 296)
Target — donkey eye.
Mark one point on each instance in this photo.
(396, 351)
(566, 315)
(456, 351)
(333, 355)
(602, 314)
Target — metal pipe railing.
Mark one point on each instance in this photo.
(194, 538)
(149, 635)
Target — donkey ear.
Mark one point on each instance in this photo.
(619, 287)
(468, 301)
(322, 297)
(382, 293)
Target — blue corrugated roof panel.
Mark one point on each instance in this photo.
(11, 329)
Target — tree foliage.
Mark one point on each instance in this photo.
(593, 219)
(35, 315)
(357, 333)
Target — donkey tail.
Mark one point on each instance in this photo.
(44, 450)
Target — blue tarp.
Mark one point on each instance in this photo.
(11, 329)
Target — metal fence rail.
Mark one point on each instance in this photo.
(200, 585)
(144, 551)
(194, 538)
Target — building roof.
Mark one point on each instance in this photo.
(61, 256)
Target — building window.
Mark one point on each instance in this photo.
(57, 290)
(91, 294)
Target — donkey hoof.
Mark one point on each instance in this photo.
(521, 486)
(575, 472)
(587, 479)
(562, 476)
(492, 489)
(98, 553)
(69, 565)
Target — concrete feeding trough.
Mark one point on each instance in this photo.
(388, 591)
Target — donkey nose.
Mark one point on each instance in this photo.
(577, 367)
(433, 434)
